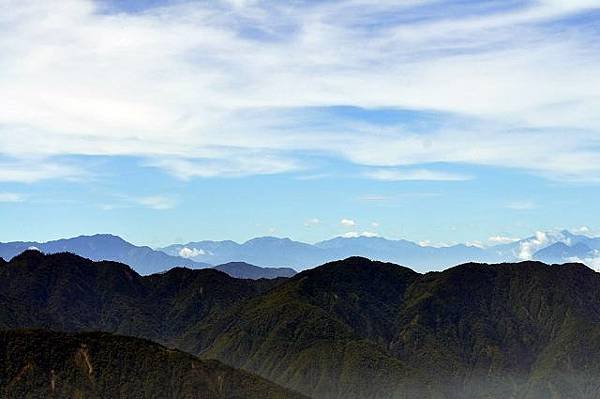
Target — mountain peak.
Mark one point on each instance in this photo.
(28, 255)
(268, 239)
(103, 237)
(246, 270)
(357, 264)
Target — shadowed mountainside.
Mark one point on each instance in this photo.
(67, 292)
(41, 364)
(245, 270)
(357, 328)
(348, 329)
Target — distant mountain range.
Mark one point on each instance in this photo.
(271, 257)
(144, 260)
(283, 252)
(354, 329)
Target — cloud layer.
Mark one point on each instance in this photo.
(225, 88)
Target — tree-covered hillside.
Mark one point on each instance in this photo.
(42, 364)
(348, 329)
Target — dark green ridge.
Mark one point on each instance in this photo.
(348, 329)
(43, 364)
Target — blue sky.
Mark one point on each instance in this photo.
(172, 121)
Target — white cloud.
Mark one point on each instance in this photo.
(355, 234)
(158, 202)
(475, 243)
(591, 261)
(185, 87)
(416, 174)
(236, 165)
(531, 246)
(374, 198)
(429, 243)
(528, 247)
(33, 171)
(11, 197)
(186, 252)
(498, 239)
(347, 222)
(312, 222)
(521, 205)
(584, 230)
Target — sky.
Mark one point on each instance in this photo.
(174, 121)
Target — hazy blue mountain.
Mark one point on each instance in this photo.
(403, 252)
(246, 270)
(283, 252)
(272, 252)
(261, 251)
(560, 252)
(550, 247)
(98, 247)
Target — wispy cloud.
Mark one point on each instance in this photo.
(499, 239)
(375, 198)
(521, 205)
(28, 171)
(158, 202)
(11, 197)
(312, 222)
(414, 174)
(356, 234)
(528, 247)
(235, 165)
(205, 89)
(347, 222)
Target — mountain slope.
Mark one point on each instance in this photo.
(246, 270)
(348, 329)
(100, 247)
(36, 364)
(261, 251)
(496, 330)
(403, 252)
(561, 252)
(318, 332)
(67, 292)
(470, 332)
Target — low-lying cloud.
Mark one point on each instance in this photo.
(186, 252)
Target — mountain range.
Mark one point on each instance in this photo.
(105, 247)
(352, 329)
(278, 252)
(271, 257)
